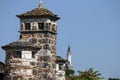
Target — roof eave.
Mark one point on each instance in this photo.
(20, 48)
(38, 16)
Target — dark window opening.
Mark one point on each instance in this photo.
(20, 36)
(33, 54)
(50, 24)
(27, 26)
(34, 72)
(41, 26)
(17, 54)
(60, 67)
(53, 27)
(47, 27)
(46, 24)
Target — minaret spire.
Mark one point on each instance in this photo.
(69, 64)
(69, 49)
(40, 4)
(69, 54)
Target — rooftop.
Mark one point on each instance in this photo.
(21, 44)
(59, 59)
(39, 12)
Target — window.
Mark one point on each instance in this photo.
(33, 54)
(47, 26)
(26, 55)
(34, 72)
(20, 36)
(27, 26)
(41, 26)
(53, 27)
(17, 54)
(60, 67)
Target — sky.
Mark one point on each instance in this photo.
(90, 27)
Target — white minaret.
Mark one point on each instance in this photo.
(69, 65)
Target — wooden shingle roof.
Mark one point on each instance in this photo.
(38, 13)
(21, 45)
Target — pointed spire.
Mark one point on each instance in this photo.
(69, 48)
(69, 58)
(40, 4)
(68, 51)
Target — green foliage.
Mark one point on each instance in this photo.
(69, 72)
(113, 79)
(89, 75)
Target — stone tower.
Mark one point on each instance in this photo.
(33, 56)
(39, 27)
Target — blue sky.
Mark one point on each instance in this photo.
(91, 27)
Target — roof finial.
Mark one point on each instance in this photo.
(40, 5)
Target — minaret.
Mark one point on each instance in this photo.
(69, 64)
(32, 57)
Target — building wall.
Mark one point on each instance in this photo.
(26, 67)
(19, 67)
(26, 64)
(60, 71)
(45, 39)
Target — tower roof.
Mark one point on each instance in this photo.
(20, 44)
(39, 12)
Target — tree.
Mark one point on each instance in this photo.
(69, 72)
(89, 75)
(113, 79)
